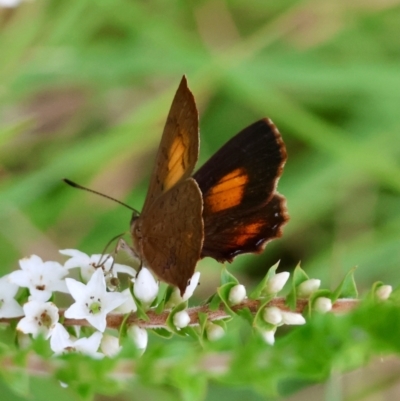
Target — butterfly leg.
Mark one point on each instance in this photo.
(124, 247)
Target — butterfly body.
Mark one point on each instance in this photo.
(228, 207)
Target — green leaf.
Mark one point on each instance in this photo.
(223, 293)
(122, 331)
(18, 381)
(163, 295)
(347, 288)
(246, 314)
(191, 331)
(214, 302)
(88, 376)
(41, 346)
(395, 296)
(228, 278)
(258, 291)
(298, 277)
(203, 319)
(140, 312)
(162, 332)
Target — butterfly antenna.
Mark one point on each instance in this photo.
(75, 185)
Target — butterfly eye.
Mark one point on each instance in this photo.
(134, 218)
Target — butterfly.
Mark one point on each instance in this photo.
(228, 207)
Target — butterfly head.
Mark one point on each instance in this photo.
(135, 216)
(136, 231)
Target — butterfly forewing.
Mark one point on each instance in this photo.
(242, 211)
(168, 235)
(179, 147)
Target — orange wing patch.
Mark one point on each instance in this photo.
(247, 232)
(228, 192)
(177, 161)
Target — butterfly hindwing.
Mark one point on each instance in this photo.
(242, 211)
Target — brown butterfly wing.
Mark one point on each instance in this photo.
(172, 234)
(242, 211)
(179, 147)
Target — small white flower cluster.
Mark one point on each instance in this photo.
(93, 300)
(237, 294)
(274, 315)
(307, 288)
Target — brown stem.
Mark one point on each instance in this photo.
(114, 320)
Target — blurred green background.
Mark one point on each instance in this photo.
(85, 87)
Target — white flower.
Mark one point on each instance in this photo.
(61, 342)
(60, 339)
(292, 318)
(92, 301)
(181, 319)
(40, 318)
(276, 283)
(9, 307)
(383, 292)
(273, 315)
(322, 304)
(307, 287)
(110, 345)
(214, 331)
(138, 335)
(89, 264)
(269, 336)
(42, 278)
(237, 294)
(9, 3)
(129, 305)
(146, 287)
(89, 345)
(176, 297)
(193, 283)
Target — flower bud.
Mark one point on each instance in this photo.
(269, 336)
(322, 305)
(273, 315)
(237, 294)
(146, 287)
(176, 297)
(306, 288)
(214, 331)
(129, 305)
(292, 318)
(194, 281)
(138, 335)
(181, 319)
(383, 292)
(276, 283)
(110, 345)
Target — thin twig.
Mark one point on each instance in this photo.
(114, 320)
